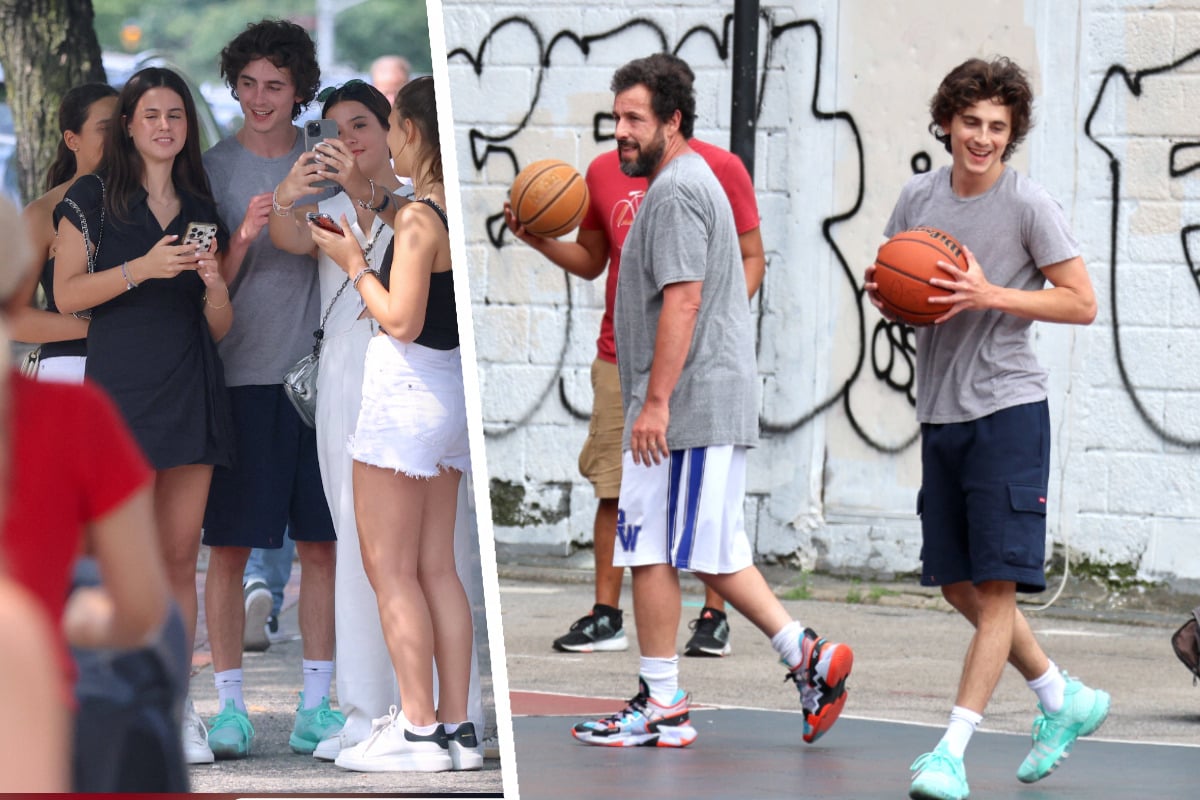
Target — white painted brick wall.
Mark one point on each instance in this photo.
(827, 493)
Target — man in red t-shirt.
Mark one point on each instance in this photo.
(614, 202)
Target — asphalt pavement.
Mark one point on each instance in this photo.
(908, 648)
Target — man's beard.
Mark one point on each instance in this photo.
(647, 159)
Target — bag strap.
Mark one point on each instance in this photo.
(319, 333)
(92, 249)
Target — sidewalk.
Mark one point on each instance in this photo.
(272, 681)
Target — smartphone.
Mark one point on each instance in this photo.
(315, 132)
(324, 221)
(200, 234)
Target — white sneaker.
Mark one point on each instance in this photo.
(393, 748)
(328, 749)
(195, 737)
(465, 752)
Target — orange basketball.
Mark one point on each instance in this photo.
(549, 197)
(905, 264)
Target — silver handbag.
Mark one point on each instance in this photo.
(300, 382)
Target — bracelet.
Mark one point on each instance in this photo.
(359, 276)
(369, 204)
(210, 305)
(280, 211)
(130, 283)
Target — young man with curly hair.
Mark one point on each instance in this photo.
(275, 483)
(981, 402)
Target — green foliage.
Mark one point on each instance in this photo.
(801, 592)
(192, 32)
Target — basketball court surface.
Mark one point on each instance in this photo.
(906, 669)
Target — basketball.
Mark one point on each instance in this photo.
(549, 197)
(905, 264)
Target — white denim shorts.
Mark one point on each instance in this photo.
(687, 511)
(413, 417)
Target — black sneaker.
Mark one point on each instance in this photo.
(599, 631)
(711, 634)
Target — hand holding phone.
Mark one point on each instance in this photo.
(200, 235)
(316, 131)
(325, 222)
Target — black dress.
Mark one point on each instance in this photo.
(150, 347)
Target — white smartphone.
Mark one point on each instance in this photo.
(200, 234)
(317, 131)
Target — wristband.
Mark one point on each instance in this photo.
(359, 276)
(130, 283)
(278, 210)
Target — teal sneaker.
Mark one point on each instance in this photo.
(1082, 712)
(230, 733)
(939, 776)
(313, 725)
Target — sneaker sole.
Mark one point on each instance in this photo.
(817, 725)
(465, 759)
(1090, 725)
(422, 762)
(918, 793)
(679, 736)
(602, 646)
(231, 754)
(301, 746)
(258, 608)
(708, 652)
(197, 757)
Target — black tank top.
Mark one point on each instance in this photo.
(440, 331)
(74, 347)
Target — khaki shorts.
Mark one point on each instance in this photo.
(600, 458)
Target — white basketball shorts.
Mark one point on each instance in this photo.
(686, 511)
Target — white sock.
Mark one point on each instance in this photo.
(662, 677)
(229, 687)
(451, 727)
(420, 730)
(787, 643)
(317, 677)
(1050, 688)
(963, 722)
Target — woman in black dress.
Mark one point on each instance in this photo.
(157, 305)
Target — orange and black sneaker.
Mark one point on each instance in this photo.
(821, 678)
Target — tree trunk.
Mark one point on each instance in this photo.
(46, 47)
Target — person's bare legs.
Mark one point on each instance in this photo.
(604, 539)
(224, 605)
(402, 525)
(180, 494)
(317, 565)
(748, 592)
(656, 601)
(1024, 653)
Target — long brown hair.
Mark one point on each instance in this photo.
(72, 114)
(416, 101)
(123, 165)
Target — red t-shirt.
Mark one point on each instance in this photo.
(73, 461)
(615, 198)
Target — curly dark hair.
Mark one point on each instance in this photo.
(976, 80)
(286, 45)
(669, 79)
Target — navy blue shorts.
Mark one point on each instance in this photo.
(275, 483)
(983, 498)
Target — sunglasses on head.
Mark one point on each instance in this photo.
(348, 86)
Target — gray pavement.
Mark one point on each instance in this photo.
(909, 648)
(272, 681)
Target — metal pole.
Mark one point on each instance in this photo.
(745, 82)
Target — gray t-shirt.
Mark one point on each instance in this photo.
(980, 362)
(684, 231)
(275, 295)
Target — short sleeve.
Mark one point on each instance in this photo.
(1047, 234)
(739, 188)
(679, 251)
(86, 195)
(593, 219)
(899, 220)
